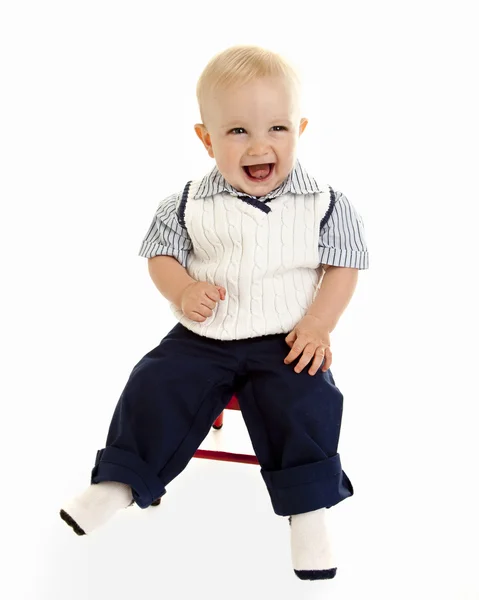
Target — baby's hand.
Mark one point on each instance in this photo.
(310, 338)
(199, 299)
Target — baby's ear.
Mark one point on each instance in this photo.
(205, 137)
(302, 125)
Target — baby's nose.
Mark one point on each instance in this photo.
(258, 147)
(257, 150)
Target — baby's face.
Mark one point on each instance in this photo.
(252, 132)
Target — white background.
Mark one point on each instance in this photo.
(96, 127)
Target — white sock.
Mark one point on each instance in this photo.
(311, 548)
(97, 504)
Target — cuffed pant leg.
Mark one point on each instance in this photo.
(172, 397)
(308, 487)
(115, 464)
(294, 421)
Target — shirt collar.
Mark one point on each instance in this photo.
(297, 182)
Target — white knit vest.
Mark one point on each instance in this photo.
(268, 262)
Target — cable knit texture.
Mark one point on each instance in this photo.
(267, 261)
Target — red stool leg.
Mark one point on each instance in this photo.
(218, 424)
(227, 456)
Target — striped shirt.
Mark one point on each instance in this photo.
(342, 241)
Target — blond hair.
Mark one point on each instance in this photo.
(239, 65)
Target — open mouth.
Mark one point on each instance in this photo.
(260, 172)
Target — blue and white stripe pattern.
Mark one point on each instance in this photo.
(165, 236)
(342, 240)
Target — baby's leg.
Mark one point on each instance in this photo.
(171, 399)
(294, 421)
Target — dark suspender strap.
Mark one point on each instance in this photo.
(182, 206)
(332, 202)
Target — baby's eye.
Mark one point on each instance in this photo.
(237, 130)
(279, 128)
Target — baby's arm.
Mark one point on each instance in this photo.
(196, 299)
(170, 278)
(310, 337)
(166, 244)
(336, 290)
(343, 244)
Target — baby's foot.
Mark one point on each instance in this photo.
(96, 505)
(311, 550)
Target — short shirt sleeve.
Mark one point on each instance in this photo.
(342, 242)
(165, 236)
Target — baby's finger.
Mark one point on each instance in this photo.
(295, 351)
(308, 354)
(328, 359)
(195, 316)
(290, 338)
(208, 303)
(204, 310)
(213, 294)
(318, 359)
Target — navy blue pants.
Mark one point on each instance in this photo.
(177, 390)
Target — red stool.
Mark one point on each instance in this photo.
(233, 404)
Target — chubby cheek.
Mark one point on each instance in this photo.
(228, 156)
(290, 145)
(287, 154)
